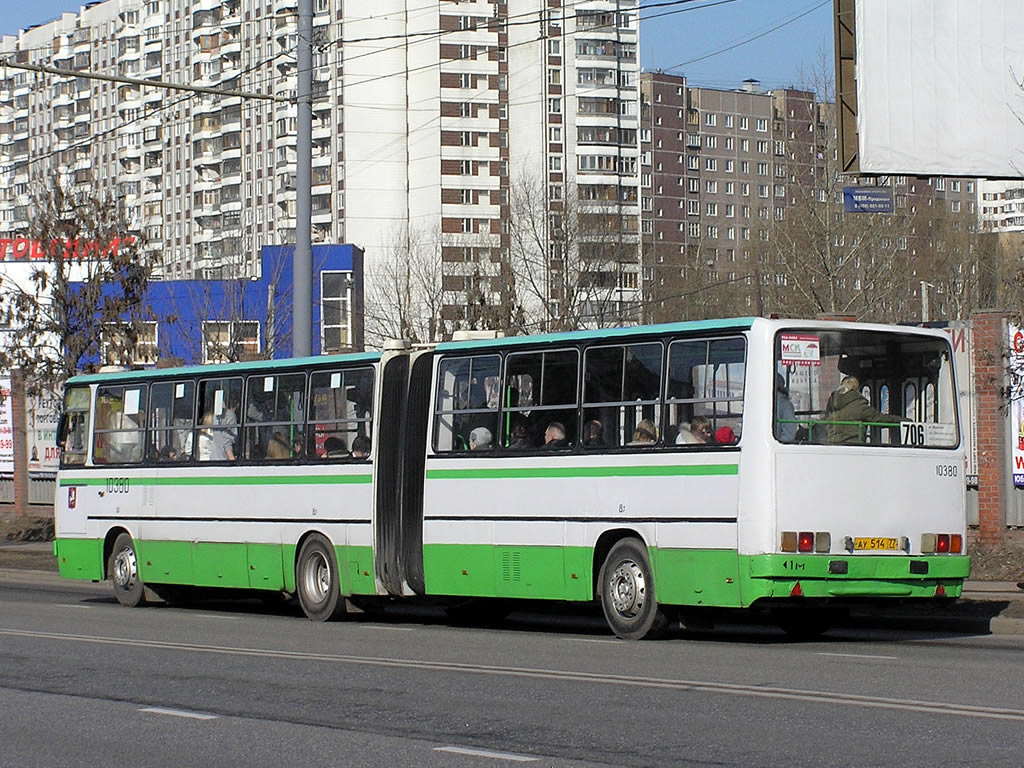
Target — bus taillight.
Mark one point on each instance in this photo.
(806, 542)
(942, 543)
(956, 543)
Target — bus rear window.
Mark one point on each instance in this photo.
(857, 387)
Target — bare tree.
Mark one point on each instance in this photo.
(405, 292)
(572, 258)
(83, 299)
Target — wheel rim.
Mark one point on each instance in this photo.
(628, 589)
(317, 577)
(126, 569)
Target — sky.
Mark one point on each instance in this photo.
(673, 35)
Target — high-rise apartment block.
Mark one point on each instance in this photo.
(425, 118)
(723, 171)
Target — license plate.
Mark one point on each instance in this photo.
(875, 543)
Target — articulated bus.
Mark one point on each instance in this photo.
(782, 466)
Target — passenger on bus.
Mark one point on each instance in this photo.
(277, 447)
(646, 433)
(725, 436)
(480, 439)
(167, 453)
(847, 404)
(785, 415)
(697, 431)
(361, 447)
(335, 448)
(518, 440)
(554, 436)
(593, 434)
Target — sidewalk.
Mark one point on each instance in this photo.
(986, 606)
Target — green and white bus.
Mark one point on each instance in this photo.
(781, 465)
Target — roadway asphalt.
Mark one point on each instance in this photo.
(993, 606)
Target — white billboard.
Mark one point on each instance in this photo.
(939, 87)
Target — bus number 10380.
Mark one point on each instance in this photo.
(946, 470)
(117, 485)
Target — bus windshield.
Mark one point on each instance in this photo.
(864, 387)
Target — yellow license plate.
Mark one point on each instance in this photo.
(875, 543)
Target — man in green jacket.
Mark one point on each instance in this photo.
(847, 404)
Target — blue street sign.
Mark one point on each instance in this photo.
(867, 199)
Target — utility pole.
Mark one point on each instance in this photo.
(302, 262)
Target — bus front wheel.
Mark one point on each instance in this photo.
(316, 580)
(626, 584)
(123, 568)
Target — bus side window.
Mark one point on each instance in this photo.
(468, 392)
(705, 386)
(540, 389)
(119, 435)
(275, 414)
(340, 415)
(622, 391)
(172, 416)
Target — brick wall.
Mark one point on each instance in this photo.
(993, 458)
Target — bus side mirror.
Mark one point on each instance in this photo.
(62, 430)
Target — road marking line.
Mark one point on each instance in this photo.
(214, 616)
(178, 713)
(386, 626)
(563, 675)
(73, 605)
(487, 753)
(857, 656)
(592, 640)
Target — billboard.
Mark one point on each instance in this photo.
(938, 86)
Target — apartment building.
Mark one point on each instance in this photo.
(424, 117)
(723, 172)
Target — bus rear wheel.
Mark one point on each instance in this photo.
(626, 584)
(123, 569)
(316, 580)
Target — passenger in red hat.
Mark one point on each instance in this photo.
(725, 436)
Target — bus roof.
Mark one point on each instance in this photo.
(224, 368)
(729, 324)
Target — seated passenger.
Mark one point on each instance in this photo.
(335, 448)
(480, 439)
(361, 447)
(698, 431)
(593, 434)
(725, 436)
(554, 436)
(646, 433)
(278, 448)
(517, 437)
(167, 453)
(685, 434)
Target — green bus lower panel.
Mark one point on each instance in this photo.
(697, 577)
(219, 564)
(483, 570)
(165, 562)
(80, 558)
(266, 566)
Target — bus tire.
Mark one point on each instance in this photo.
(626, 585)
(316, 580)
(123, 569)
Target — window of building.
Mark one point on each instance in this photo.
(227, 341)
(335, 308)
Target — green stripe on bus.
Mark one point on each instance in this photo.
(361, 479)
(506, 473)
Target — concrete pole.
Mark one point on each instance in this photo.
(302, 263)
